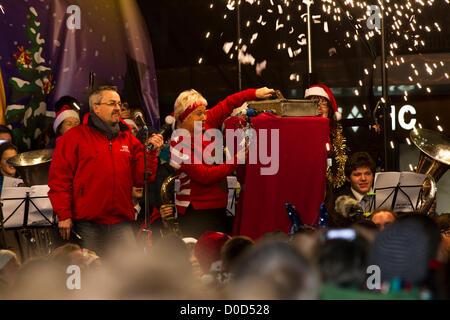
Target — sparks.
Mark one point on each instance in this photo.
(406, 27)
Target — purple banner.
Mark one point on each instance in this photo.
(48, 48)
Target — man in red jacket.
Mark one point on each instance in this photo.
(202, 199)
(93, 170)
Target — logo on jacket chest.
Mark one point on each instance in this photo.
(124, 149)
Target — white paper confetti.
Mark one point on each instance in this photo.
(227, 47)
(260, 67)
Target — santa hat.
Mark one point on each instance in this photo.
(208, 247)
(323, 91)
(170, 119)
(63, 114)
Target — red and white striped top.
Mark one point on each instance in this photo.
(201, 184)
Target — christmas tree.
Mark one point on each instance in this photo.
(32, 89)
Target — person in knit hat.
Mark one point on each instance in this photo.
(202, 199)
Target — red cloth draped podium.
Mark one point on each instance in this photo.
(300, 180)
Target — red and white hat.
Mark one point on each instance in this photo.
(170, 119)
(323, 91)
(63, 114)
(208, 247)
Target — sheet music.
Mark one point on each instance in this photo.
(383, 183)
(409, 183)
(408, 180)
(11, 182)
(13, 198)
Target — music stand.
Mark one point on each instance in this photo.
(27, 203)
(398, 191)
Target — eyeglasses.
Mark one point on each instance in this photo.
(112, 104)
(321, 102)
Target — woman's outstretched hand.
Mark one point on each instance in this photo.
(264, 93)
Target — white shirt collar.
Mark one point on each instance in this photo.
(358, 195)
(137, 210)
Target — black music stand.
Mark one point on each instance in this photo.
(398, 191)
(26, 201)
(31, 236)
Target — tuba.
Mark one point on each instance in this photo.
(434, 161)
(33, 166)
(167, 192)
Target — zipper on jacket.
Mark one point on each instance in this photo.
(110, 146)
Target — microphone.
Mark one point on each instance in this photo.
(165, 131)
(348, 207)
(140, 119)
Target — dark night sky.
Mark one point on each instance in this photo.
(177, 30)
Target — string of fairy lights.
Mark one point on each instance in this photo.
(404, 23)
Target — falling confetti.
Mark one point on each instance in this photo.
(260, 67)
(227, 47)
(404, 20)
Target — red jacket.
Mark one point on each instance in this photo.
(200, 184)
(91, 178)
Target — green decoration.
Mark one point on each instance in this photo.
(31, 90)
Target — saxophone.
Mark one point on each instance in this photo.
(167, 199)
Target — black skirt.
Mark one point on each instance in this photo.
(196, 222)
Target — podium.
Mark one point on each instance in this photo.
(300, 180)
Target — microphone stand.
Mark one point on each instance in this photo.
(145, 195)
(2, 228)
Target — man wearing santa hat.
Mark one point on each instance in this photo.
(93, 169)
